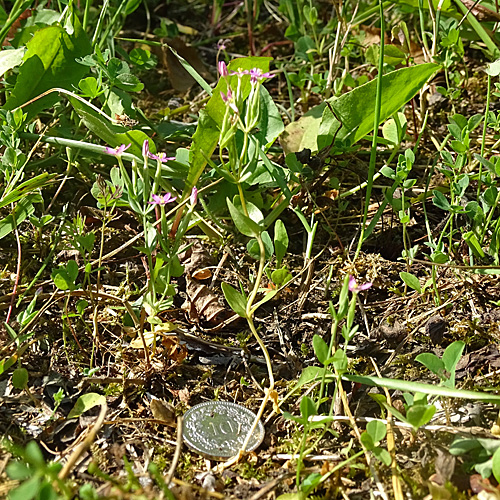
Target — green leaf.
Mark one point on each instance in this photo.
(49, 62)
(419, 415)
(339, 360)
(268, 296)
(281, 276)
(432, 363)
(377, 430)
(112, 135)
(452, 355)
(280, 241)
(34, 455)
(307, 408)
(435, 390)
(10, 59)
(22, 211)
(321, 349)
(18, 471)
(210, 119)
(64, 276)
(411, 280)
(391, 131)
(237, 302)
(20, 378)
(244, 224)
(26, 491)
(383, 455)
(292, 496)
(254, 250)
(440, 201)
(356, 108)
(313, 374)
(89, 87)
(85, 402)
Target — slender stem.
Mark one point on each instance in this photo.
(376, 121)
(485, 126)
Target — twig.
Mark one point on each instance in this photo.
(85, 444)
(177, 454)
(391, 446)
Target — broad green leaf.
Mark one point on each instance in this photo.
(307, 408)
(292, 496)
(85, 402)
(10, 59)
(411, 280)
(280, 241)
(22, 211)
(210, 119)
(313, 374)
(267, 297)
(254, 250)
(339, 360)
(321, 349)
(367, 440)
(377, 430)
(18, 471)
(20, 378)
(391, 131)
(452, 355)
(34, 455)
(432, 363)
(113, 135)
(281, 276)
(237, 302)
(383, 455)
(495, 465)
(435, 390)
(27, 490)
(50, 62)
(26, 187)
(356, 109)
(419, 415)
(440, 201)
(244, 224)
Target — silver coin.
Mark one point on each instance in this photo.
(218, 429)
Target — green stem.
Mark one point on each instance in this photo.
(376, 122)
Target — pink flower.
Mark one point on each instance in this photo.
(353, 286)
(118, 150)
(256, 75)
(162, 157)
(159, 199)
(194, 196)
(228, 99)
(223, 69)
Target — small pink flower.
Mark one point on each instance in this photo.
(353, 286)
(145, 148)
(162, 157)
(118, 150)
(159, 199)
(194, 196)
(257, 75)
(223, 69)
(240, 72)
(221, 45)
(228, 99)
